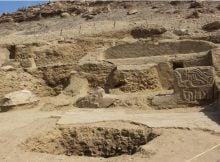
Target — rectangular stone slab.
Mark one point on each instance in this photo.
(151, 119)
(194, 85)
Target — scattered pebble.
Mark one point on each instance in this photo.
(132, 12)
(193, 15)
(7, 68)
(181, 32)
(196, 4)
(64, 15)
(147, 30)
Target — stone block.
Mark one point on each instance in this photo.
(194, 85)
(96, 99)
(18, 98)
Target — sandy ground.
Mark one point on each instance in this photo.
(182, 135)
(48, 30)
(185, 135)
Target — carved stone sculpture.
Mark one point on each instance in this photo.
(194, 85)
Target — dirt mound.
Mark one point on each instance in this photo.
(52, 9)
(18, 80)
(91, 141)
(41, 11)
(212, 26)
(147, 30)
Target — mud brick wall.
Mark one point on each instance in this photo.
(134, 80)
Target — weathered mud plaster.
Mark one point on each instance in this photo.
(4, 55)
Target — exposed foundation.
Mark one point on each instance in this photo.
(144, 66)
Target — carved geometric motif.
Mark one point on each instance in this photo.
(194, 84)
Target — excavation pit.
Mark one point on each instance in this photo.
(133, 66)
(161, 48)
(95, 141)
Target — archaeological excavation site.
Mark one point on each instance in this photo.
(110, 81)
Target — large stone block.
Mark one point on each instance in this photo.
(194, 85)
(18, 98)
(96, 99)
(77, 85)
(96, 72)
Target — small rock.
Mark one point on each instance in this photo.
(50, 4)
(196, 4)
(176, 11)
(96, 99)
(147, 30)
(64, 15)
(106, 9)
(174, 3)
(181, 32)
(7, 19)
(17, 98)
(206, 10)
(5, 13)
(7, 68)
(88, 16)
(154, 7)
(127, 6)
(35, 9)
(28, 63)
(172, 11)
(193, 15)
(169, 12)
(218, 7)
(77, 85)
(212, 26)
(132, 12)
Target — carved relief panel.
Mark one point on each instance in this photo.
(194, 85)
